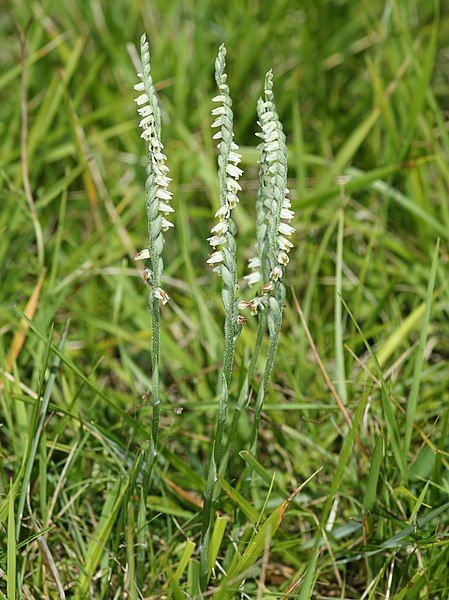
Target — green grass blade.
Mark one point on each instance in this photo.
(373, 475)
(11, 571)
(419, 358)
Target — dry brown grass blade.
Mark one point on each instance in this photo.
(20, 335)
(184, 493)
(320, 364)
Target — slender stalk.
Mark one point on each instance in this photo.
(158, 199)
(243, 395)
(275, 332)
(273, 215)
(224, 263)
(155, 361)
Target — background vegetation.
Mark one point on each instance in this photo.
(362, 89)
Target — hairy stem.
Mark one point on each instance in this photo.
(244, 391)
(275, 332)
(215, 465)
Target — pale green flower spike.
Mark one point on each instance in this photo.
(223, 260)
(273, 213)
(158, 199)
(273, 208)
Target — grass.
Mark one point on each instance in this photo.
(356, 406)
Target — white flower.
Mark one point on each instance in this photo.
(220, 227)
(254, 263)
(222, 212)
(235, 157)
(161, 295)
(142, 99)
(232, 200)
(166, 224)
(285, 229)
(216, 257)
(216, 240)
(163, 194)
(234, 171)
(283, 258)
(287, 214)
(284, 244)
(165, 208)
(142, 255)
(232, 185)
(253, 305)
(253, 277)
(144, 111)
(276, 273)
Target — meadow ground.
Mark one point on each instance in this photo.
(362, 89)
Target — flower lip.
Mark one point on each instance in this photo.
(216, 257)
(143, 254)
(253, 278)
(161, 295)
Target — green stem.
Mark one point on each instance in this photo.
(275, 332)
(155, 359)
(152, 451)
(243, 395)
(217, 446)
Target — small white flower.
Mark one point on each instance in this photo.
(148, 120)
(142, 99)
(216, 257)
(232, 200)
(217, 123)
(276, 273)
(254, 263)
(287, 214)
(166, 224)
(216, 240)
(139, 87)
(146, 134)
(220, 227)
(162, 180)
(144, 111)
(253, 278)
(233, 171)
(235, 157)
(163, 194)
(272, 147)
(272, 135)
(165, 208)
(222, 212)
(219, 110)
(219, 98)
(232, 185)
(142, 255)
(253, 305)
(284, 244)
(283, 258)
(217, 136)
(285, 229)
(161, 295)
(286, 203)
